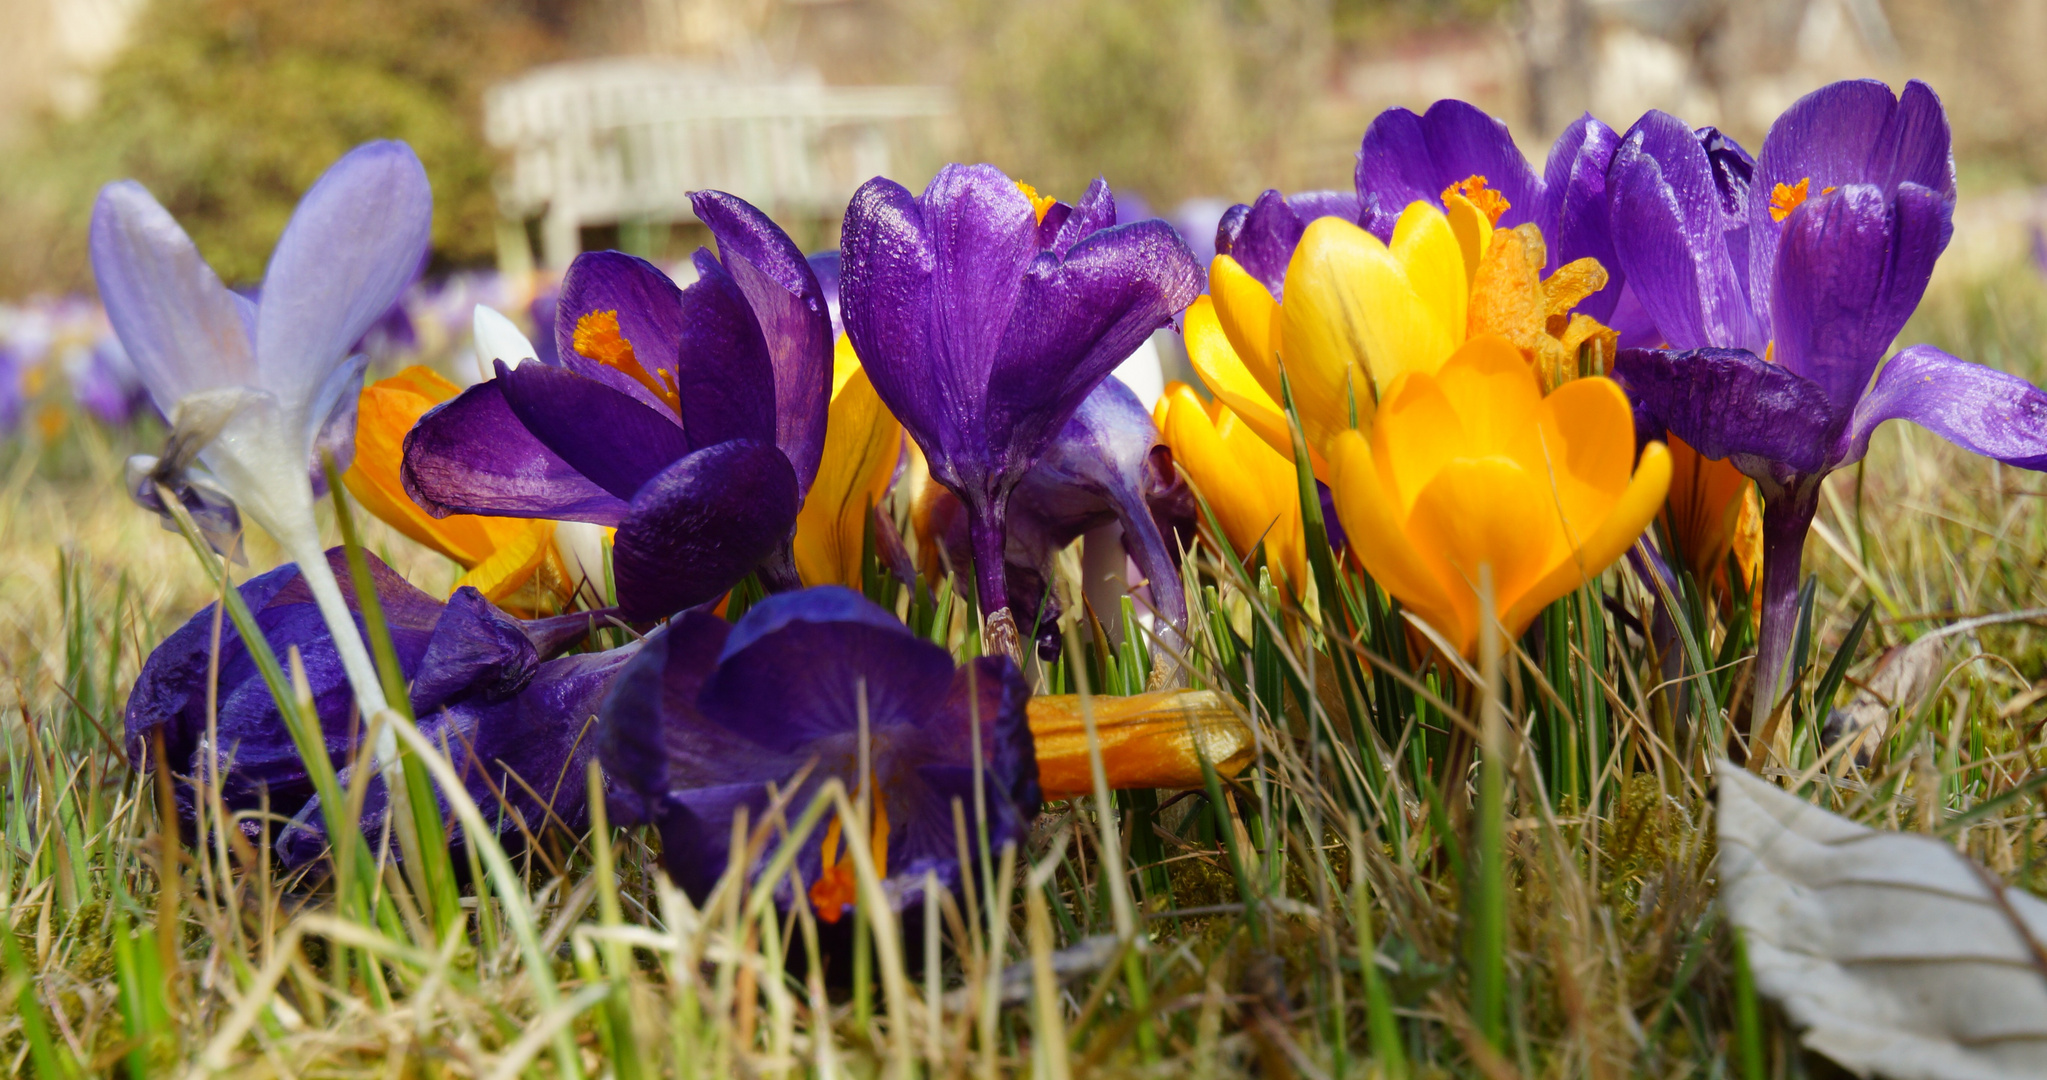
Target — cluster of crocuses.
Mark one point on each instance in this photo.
(1497, 379)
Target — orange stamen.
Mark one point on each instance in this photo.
(1489, 202)
(598, 338)
(836, 885)
(1785, 198)
(1040, 204)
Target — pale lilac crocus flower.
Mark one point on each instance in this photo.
(257, 390)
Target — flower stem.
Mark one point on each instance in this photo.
(987, 528)
(1786, 519)
(355, 656)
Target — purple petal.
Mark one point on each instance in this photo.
(1977, 408)
(334, 406)
(471, 455)
(1730, 403)
(613, 439)
(1266, 239)
(181, 327)
(649, 310)
(1851, 268)
(1670, 233)
(1574, 213)
(800, 665)
(701, 525)
(1093, 473)
(1076, 320)
(795, 315)
(929, 286)
(724, 372)
(1407, 158)
(634, 742)
(352, 246)
(1095, 211)
(1850, 132)
(476, 650)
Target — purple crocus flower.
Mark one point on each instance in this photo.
(1779, 286)
(482, 682)
(105, 383)
(1100, 470)
(709, 715)
(10, 389)
(691, 419)
(983, 328)
(257, 390)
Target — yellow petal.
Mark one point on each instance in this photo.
(1572, 283)
(1474, 229)
(862, 444)
(1486, 511)
(1378, 536)
(385, 412)
(1244, 482)
(1245, 310)
(1417, 433)
(1434, 257)
(1622, 527)
(1506, 293)
(1496, 396)
(513, 563)
(1153, 740)
(1586, 446)
(1233, 383)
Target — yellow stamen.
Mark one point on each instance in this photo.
(1474, 189)
(1039, 203)
(598, 338)
(1785, 198)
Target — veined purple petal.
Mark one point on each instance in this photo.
(1850, 132)
(352, 246)
(1076, 320)
(700, 525)
(649, 310)
(611, 438)
(724, 371)
(929, 286)
(1977, 408)
(1731, 403)
(1266, 239)
(1319, 204)
(181, 327)
(471, 455)
(1574, 218)
(1851, 267)
(1670, 234)
(1095, 211)
(1858, 132)
(1407, 158)
(795, 315)
(825, 264)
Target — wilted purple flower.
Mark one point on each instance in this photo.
(1100, 470)
(256, 390)
(709, 715)
(691, 419)
(1778, 288)
(984, 327)
(482, 682)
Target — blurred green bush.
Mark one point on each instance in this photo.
(229, 109)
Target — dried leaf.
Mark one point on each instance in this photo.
(1900, 680)
(1897, 954)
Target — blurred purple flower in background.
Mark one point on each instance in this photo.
(985, 322)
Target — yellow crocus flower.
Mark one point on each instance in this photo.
(1253, 492)
(1359, 313)
(1468, 464)
(862, 443)
(511, 561)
